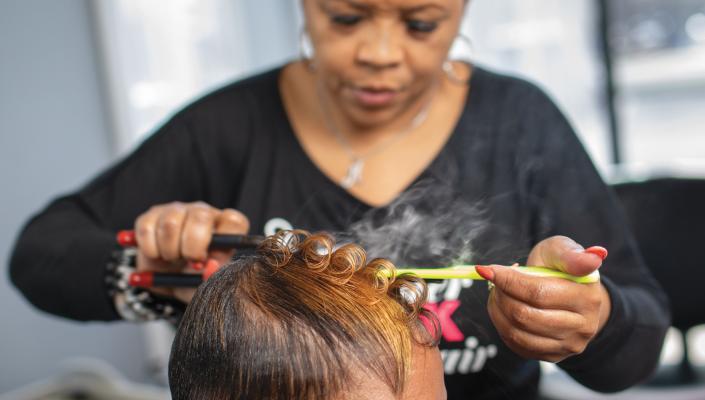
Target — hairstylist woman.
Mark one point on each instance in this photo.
(321, 143)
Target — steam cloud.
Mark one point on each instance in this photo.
(428, 225)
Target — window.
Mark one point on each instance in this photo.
(659, 51)
(552, 43)
(160, 54)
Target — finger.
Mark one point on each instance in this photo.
(524, 344)
(566, 255)
(538, 292)
(145, 263)
(233, 222)
(145, 233)
(554, 324)
(197, 231)
(169, 226)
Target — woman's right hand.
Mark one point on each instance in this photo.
(174, 238)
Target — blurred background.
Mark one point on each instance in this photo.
(82, 82)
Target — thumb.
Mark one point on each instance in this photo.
(584, 262)
(564, 254)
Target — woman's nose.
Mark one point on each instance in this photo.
(380, 49)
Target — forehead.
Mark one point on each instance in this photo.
(396, 4)
(424, 382)
(426, 378)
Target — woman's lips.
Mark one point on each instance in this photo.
(374, 97)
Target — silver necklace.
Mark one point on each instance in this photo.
(353, 175)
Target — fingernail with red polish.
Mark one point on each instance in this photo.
(485, 272)
(598, 251)
(212, 266)
(197, 265)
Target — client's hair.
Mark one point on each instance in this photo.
(295, 321)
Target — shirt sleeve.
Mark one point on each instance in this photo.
(570, 198)
(200, 154)
(60, 256)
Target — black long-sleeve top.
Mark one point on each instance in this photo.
(511, 174)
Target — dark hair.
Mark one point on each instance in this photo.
(294, 321)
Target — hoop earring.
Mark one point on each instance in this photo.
(448, 63)
(306, 51)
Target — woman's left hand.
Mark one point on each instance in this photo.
(549, 319)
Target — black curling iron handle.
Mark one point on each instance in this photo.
(219, 241)
(177, 280)
(229, 242)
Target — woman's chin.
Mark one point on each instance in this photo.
(371, 117)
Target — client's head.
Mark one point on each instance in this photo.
(299, 320)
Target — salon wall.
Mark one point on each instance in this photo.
(53, 136)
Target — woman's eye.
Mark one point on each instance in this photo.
(347, 20)
(421, 26)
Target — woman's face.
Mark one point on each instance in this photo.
(376, 58)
